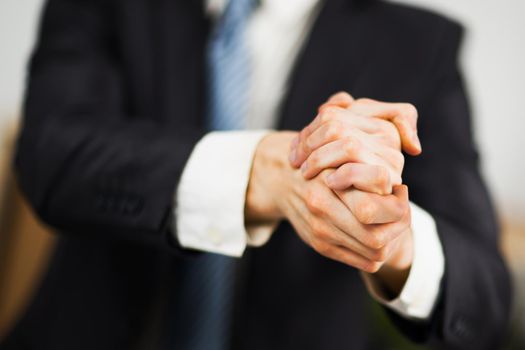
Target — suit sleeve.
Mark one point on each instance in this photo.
(86, 164)
(473, 307)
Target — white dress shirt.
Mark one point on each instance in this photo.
(210, 214)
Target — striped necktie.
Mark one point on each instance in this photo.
(229, 68)
(204, 295)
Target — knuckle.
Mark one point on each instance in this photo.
(400, 160)
(321, 247)
(389, 132)
(382, 177)
(371, 266)
(314, 202)
(377, 126)
(365, 212)
(364, 100)
(341, 94)
(329, 113)
(377, 240)
(334, 129)
(381, 126)
(381, 239)
(396, 179)
(351, 147)
(304, 141)
(305, 149)
(321, 233)
(410, 110)
(313, 160)
(386, 127)
(315, 244)
(380, 255)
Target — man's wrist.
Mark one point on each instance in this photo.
(209, 214)
(269, 162)
(420, 291)
(394, 273)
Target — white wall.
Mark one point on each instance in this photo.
(18, 19)
(494, 61)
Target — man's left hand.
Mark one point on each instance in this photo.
(391, 126)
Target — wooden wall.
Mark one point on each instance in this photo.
(25, 244)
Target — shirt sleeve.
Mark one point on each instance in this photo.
(210, 197)
(421, 290)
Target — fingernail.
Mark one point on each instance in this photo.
(304, 167)
(417, 142)
(293, 156)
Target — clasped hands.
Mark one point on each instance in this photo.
(338, 182)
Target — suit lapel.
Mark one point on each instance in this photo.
(324, 66)
(332, 60)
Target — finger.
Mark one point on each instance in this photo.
(335, 225)
(298, 147)
(393, 159)
(330, 221)
(364, 177)
(334, 121)
(359, 147)
(338, 128)
(337, 124)
(386, 132)
(403, 115)
(400, 251)
(315, 137)
(337, 153)
(353, 259)
(375, 242)
(300, 150)
(341, 99)
(343, 228)
(384, 235)
(371, 208)
(330, 235)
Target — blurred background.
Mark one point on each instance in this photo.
(493, 61)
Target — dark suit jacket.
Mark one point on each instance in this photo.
(115, 104)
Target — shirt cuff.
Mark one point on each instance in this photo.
(210, 197)
(421, 290)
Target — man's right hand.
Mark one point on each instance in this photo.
(321, 218)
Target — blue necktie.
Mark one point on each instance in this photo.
(204, 295)
(229, 68)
